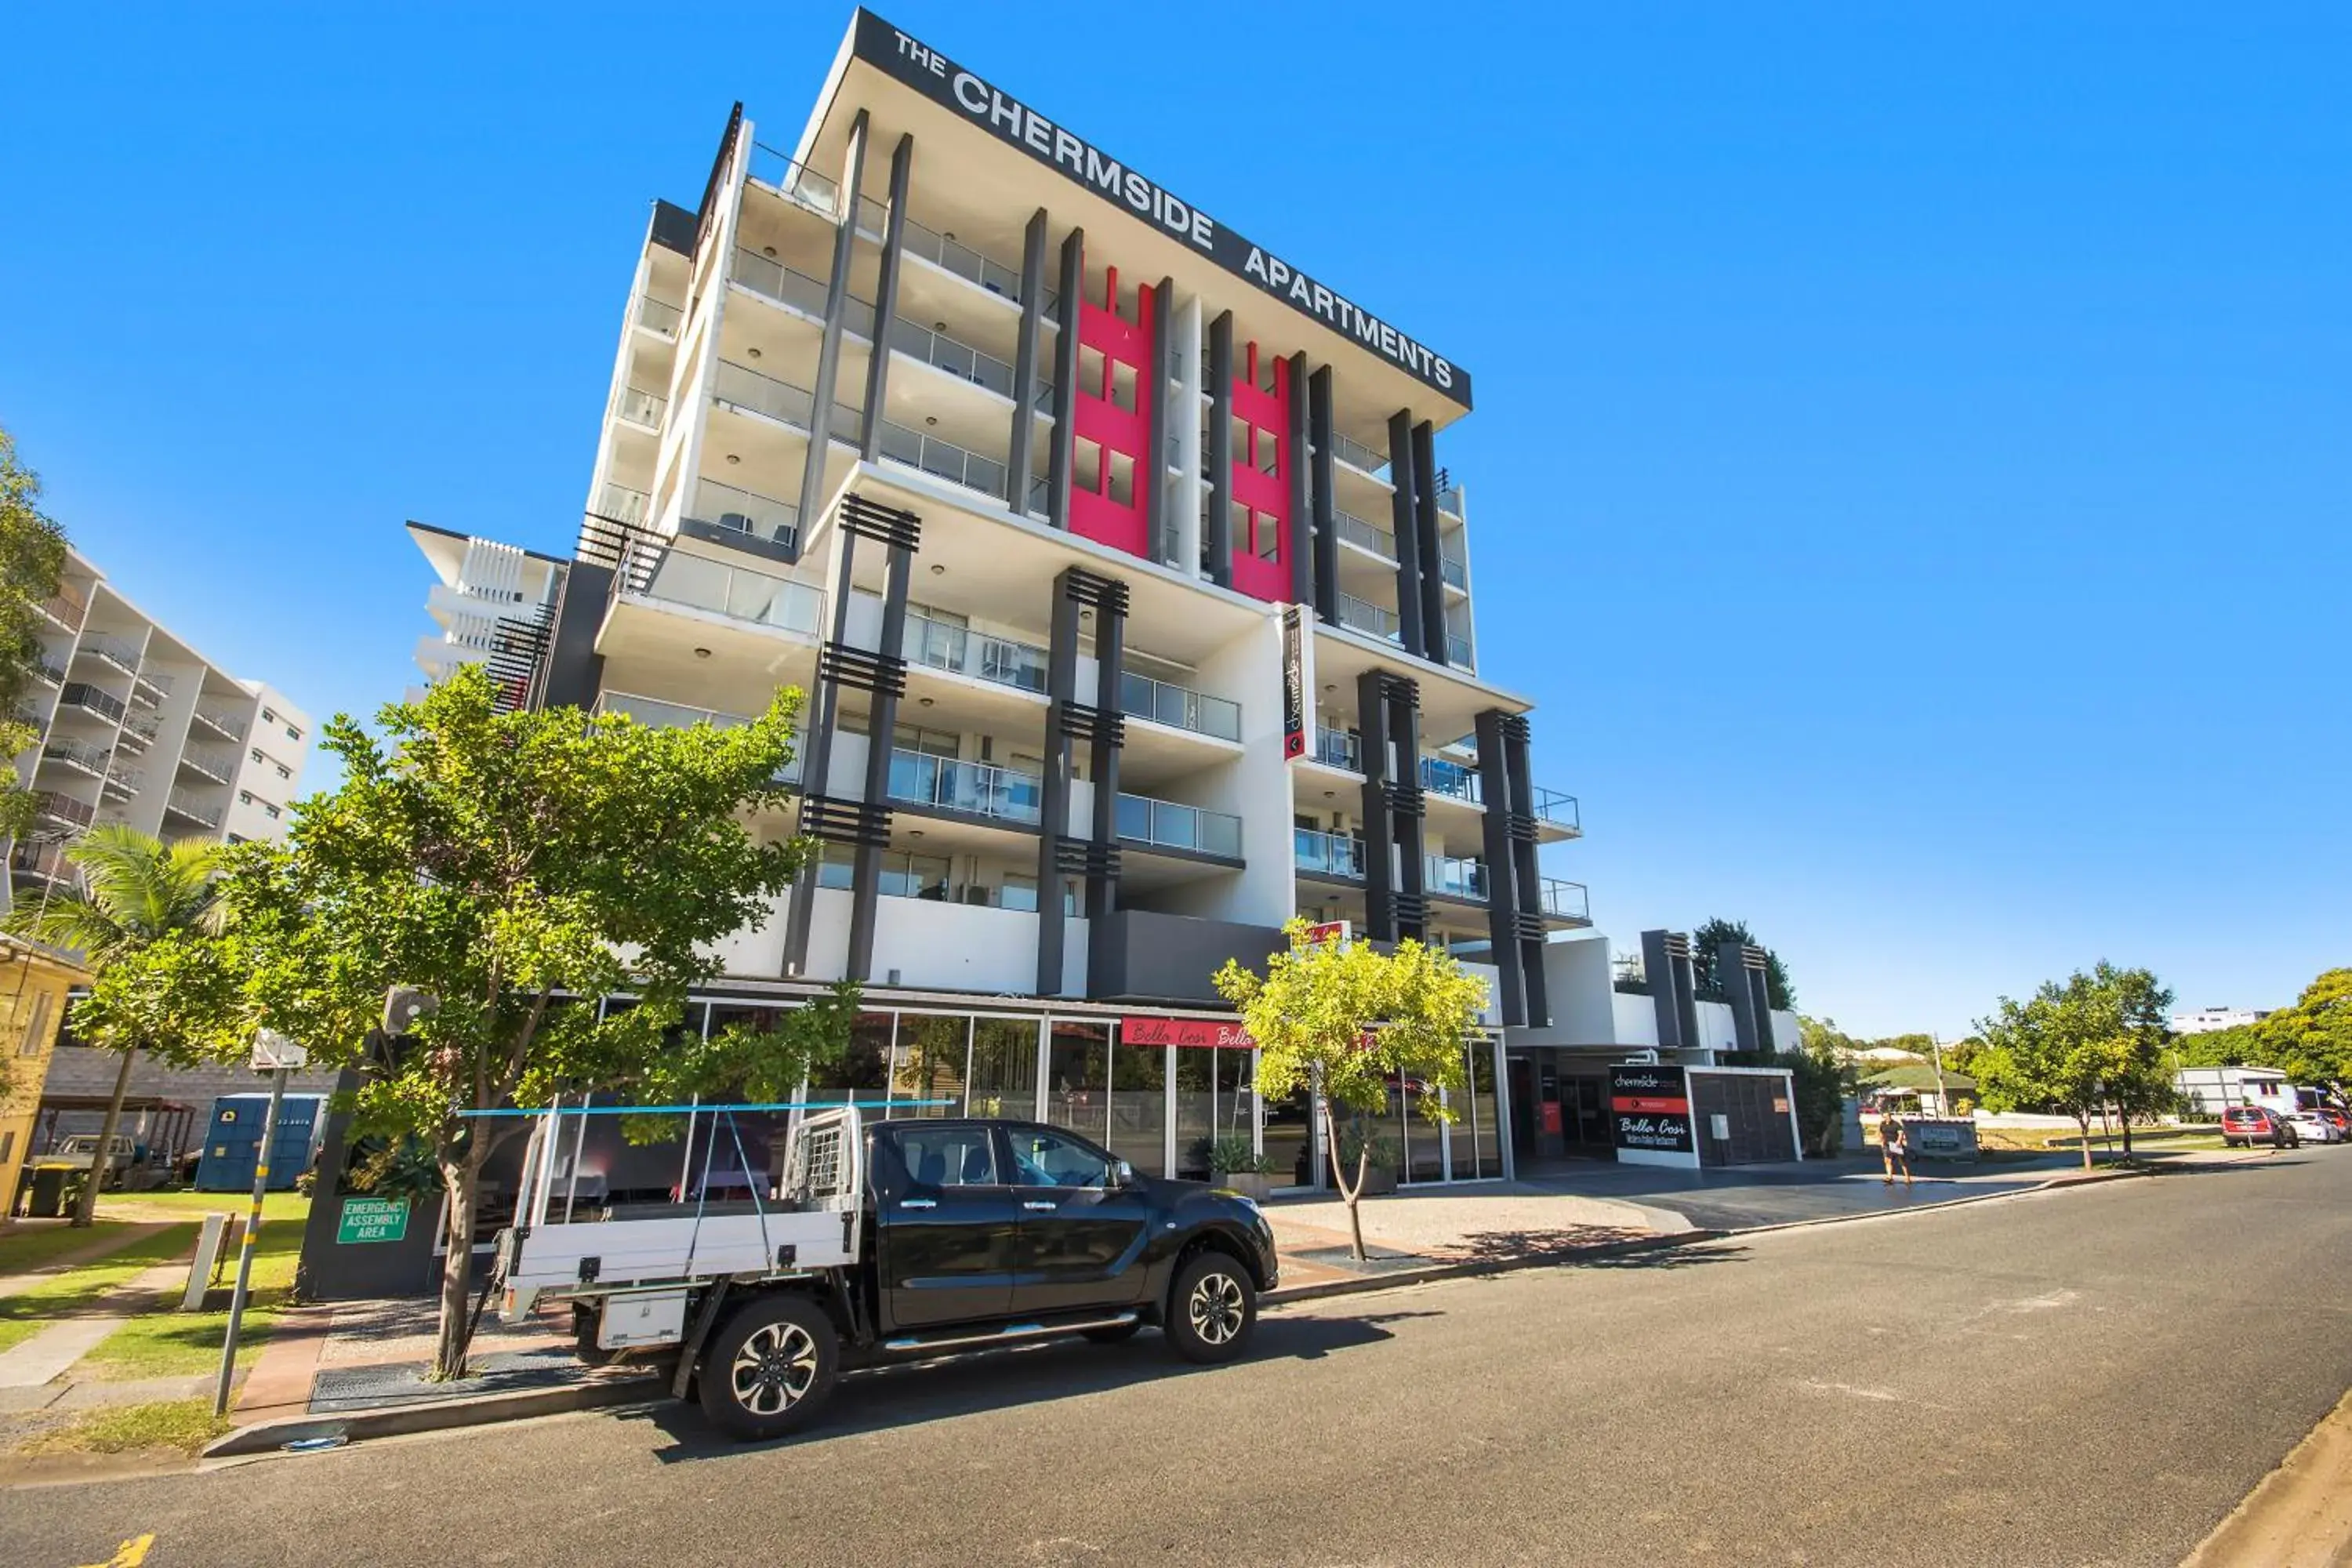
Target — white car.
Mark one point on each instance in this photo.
(2316, 1128)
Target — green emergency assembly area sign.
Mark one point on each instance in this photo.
(371, 1219)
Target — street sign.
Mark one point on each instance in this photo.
(371, 1219)
(272, 1051)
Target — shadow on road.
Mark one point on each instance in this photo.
(1698, 1255)
(1544, 1241)
(915, 1392)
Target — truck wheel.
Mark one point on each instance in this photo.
(1113, 1334)
(584, 1321)
(1212, 1309)
(770, 1368)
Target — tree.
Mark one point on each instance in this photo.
(1352, 1021)
(136, 892)
(504, 863)
(2313, 1039)
(1708, 988)
(32, 554)
(2097, 1040)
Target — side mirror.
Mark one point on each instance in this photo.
(1122, 1174)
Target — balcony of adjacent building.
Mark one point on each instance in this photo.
(76, 757)
(216, 719)
(88, 708)
(150, 688)
(67, 608)
(185, 808)
(42, 865)
(215, 764)
(108, 655)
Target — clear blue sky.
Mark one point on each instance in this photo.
(1912, 462)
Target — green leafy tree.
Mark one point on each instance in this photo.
(1708, 986)
(2313, 1039)
(501, 862)
(2096, 1040)
(32, 554)
(1351, 1021)
(135, 892)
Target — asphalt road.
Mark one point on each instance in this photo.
(2093, 1377)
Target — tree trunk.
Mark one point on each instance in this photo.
(1348, 1195)
(103, 1161)
(462, 1178)
(2124, 1116)
(2082, 1120)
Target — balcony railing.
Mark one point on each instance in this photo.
(657, 316)
(1452, 779)
(183, 804)
(944, 459)
(640, 405)
(1451, 875)
(1179, 707)
(1338, 749)
(139, 732)
(623, 504)
(1355, 454)
(654, 713)
(1457, 652)
(46, 862)
(806, 186)
(1455, 571)
(954, 256)
(746, 513)
(1565, 900)
(122, 776)
(64, 808)
(46, 668)
(1364, 617)
(1558, 809)
(213, 762)
(737, 592)
(747, 388)
(1449, 500)
(67, 608)
(1327, 854)
(959, 359)
(1168, 826)
(788, 286)
(123, 655)
(955, 785)
(90, 759)
(221, 724)
(977, 654)
(81, 694)
(1355, 530)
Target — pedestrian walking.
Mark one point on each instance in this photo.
(1895, 1147)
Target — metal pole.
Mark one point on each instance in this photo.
(252, 1235)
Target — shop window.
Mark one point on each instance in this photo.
(1004, 1067)
(928, 1063)
(1138, 1106)
(1077, 1078)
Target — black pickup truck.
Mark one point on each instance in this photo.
(898, 1239)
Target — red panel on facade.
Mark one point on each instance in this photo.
(1107, 489)
(1260, 482)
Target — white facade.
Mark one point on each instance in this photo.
(2205, 1020)
(137, 727)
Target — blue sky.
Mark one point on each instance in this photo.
(1910, 472)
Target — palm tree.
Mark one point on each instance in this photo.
(136, 891)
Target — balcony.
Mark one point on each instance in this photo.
(64, 809)
(657, 316)
(41, 862)
(656, 714)
(67, 608)
(1164, 824)
(214, 762)
(116, 651)
(121, 779)
(89, 700)
(78, 755)
(1327, 854)
(151, 687)
(943, 459)
(819, 193)
(767, 277)
(641, 406)
(1565, 900)
(1356, 454)
(1338, 749)
(946, 252)
(1457, 652)
(1559, 810)
(743, 387)
(1449, 500)
(737, 592)
(975, 787)
(48, 671)
(139, 732)
(1452, 780)
(1456, 572)
(181, 803)
(1452, 877)
(1179, 707)
(1354, 530)
(623, 504)
(222, 724)
(1000, 660)
(746, 513)
(1366, 617)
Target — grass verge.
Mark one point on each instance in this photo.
(24, 1249)
(73, 1290)
(275, 1207)
(173, 1425)
(174, 1343)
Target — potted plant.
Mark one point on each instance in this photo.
(1235, 1165)
(1380, 1170)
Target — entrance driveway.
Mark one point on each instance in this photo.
(1742, 1197)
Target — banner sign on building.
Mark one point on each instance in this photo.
(1294, 683)
(1195, 1033)
(1649, 1108)
(964, 94)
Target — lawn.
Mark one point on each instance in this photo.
(24, 1249)
(74, 1290)
(174, 1343)
(275, 1207)
(185, 1424)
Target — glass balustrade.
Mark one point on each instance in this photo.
(954, 256)
(766, 276)
(655, 713)
(640, 405)
(1336, 748)
(122, 655)
(221, 724)
(1364, 617)
(657, 316)
(90, 699)
(1327, 854)
(958, 359)
(958, 785)
(1357, 532)
(779, 173)
(944, 459)
(737, 592)
(1356, 454)
(1454, 571)
(1168, 826)
(1450, 876)
(194, 810)
(977, 654)
(1457, 652)
(1179, 707)
(623, 504)
(746, 513)
(1449, 500)
(1565, 900)
(210, 761)
(1558, 809)
(90, 759)
(1452, 779)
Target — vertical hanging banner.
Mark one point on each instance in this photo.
(1294, 683)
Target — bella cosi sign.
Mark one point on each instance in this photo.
(1010, 121)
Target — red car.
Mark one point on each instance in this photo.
(2248, 1125)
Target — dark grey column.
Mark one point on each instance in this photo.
(1741, 970)
(1107, 739)
(1433, 566)
(1502, 905)
(1054, 808)
(1151, 470)
(816, 761)
(1327, 521)
(886, 297)
(1528, 910)
(1666, 965)
(1380, 840)
(1402, 526)
(828, 355)
(1064, 450)
(1302, 527)
(1024, 365)
(1217, 529)
(1413, 880)
(881, 731)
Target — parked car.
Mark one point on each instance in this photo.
(2316, 1127)
(2244, 1126)
(2337, 1119)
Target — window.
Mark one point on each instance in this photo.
(8, 1144)
(271, 812)
(1043, 1159)
(293, 734)
(285, 773)
(244, 797)
(257, 754)
(268, 717)
(948, 1156)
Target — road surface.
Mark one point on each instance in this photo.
(2093, 1377)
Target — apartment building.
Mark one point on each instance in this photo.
(1133, 601)
(137, 727)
